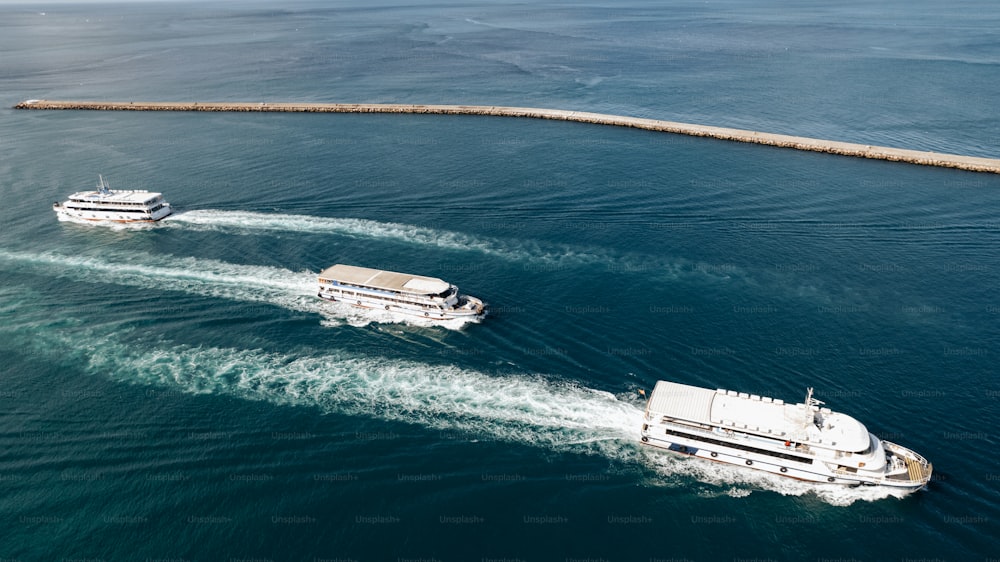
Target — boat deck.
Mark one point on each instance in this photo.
(386, 280)
(131, 197)
(758, 415)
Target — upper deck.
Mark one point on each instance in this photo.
(130, 197)
(759, 415)
(385, 280)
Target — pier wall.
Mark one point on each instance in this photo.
(970, 163)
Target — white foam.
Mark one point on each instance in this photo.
(246, 222)
(534, 254)
(467, 404)
(212, 278)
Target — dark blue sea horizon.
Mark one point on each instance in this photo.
(177, 391)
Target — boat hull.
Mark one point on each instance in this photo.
(473, 309)
(816, 471)
(66, 213)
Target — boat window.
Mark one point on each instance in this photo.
(740, 446)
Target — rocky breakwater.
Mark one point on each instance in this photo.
(970, 163)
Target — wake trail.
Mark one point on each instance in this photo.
(516, 408)
(529, 252)
(465, 404)
(247, 222)
(213, 278)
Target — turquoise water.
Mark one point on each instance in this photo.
(178, 392)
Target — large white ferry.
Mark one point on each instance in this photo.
(427, 297)
(103, 204)
(804, 441)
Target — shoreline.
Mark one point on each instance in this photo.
(924, 158)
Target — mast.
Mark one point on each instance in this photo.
(809, 416)
(810, 401)
(102, 186)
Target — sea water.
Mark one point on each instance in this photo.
(177, 391)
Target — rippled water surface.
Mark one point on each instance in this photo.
(177, 391)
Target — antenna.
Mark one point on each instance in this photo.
(807, 411)
(102, 186)
(810, 401)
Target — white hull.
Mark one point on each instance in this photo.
(65, 213)
(472, 307)
(897, 474)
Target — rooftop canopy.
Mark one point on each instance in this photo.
(760, 415)
(385, 280)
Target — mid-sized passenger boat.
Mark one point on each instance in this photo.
(804, 441)
(426, 297)
(105, 204)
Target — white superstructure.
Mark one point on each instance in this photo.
(103, 204)
(804, 441)
(427, 297)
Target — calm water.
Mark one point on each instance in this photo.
(177, 391)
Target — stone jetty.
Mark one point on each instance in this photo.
(970, 163)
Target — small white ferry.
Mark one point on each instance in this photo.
(427, 297)
(803, 441)
(103, 204)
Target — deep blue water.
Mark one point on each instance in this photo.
(177, 391)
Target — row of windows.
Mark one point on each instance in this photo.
(122, 203)
(379, 291)
(447, 293)
(97, 209)
(386, 299)
(386, 291)
(748, 448)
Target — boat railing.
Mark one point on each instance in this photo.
(378, 291)
(796, 447)
(727, 433)
(918, 469)
(382, 295)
